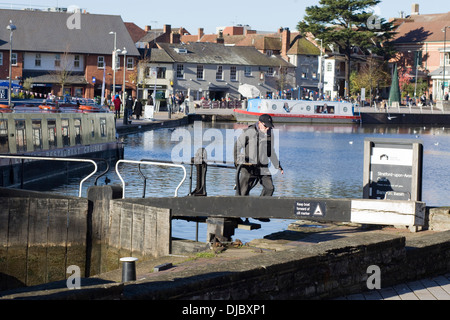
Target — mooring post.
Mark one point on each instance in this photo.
(128, 269)
(220, 228)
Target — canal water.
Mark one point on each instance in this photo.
(324, 161)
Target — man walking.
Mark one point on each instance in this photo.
(252, 152)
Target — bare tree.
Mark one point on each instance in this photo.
(63, 68)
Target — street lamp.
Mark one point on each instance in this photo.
(416, 62)
(443, 73)
(124, 52)
(321, 69)
(11, 28)
(114, 63)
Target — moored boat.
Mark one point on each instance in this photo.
(54, 132)
(300, 111)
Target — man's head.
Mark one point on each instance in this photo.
(265, 122)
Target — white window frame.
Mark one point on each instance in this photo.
(200, 72)
(14, 59)
(248, 71)
(77, 61)
(100, 62)
(130, 63)
(219, 73)
(233, 73)
(180, 71)
(37, 60)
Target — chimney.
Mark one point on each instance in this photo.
(167, 29)
(175, 38)
(415, 9)
(200, 34)
(220, 38)
(285, 41)
(147, 28)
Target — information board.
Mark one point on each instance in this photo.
(393, 169)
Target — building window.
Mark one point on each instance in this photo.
(14, 59)
(37, 134)
(103, 127)
(21, 137)
(37, 60)
(76, 61)
(65, 132)
(180, 71)
(4, 144)
(130, 63)
(1, 58)
(200, 72)
(101, 62)
(57, 60)
(161, 73)
(233, 74)
(270, 72)
(329, 67)
(219, 73)
(248, 71)
(77, 127)
(51, 129)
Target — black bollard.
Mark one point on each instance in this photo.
(128, 269)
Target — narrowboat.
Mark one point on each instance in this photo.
(298, 111)
(54, 131)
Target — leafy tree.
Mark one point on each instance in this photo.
(373, 75)
(346, 24)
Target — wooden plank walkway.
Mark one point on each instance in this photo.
(436, 288)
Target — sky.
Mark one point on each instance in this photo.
(261, 15)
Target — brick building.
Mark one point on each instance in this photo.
(71, 50)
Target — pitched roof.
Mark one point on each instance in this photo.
(40, 31)
(422, 28)
(303, 46)
(135, 32)
(214, 53)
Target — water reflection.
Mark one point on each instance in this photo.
(318, 160)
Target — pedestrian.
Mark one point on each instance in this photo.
(128, 109)
(137, 109)
(169, 106)
(117, 102)
(252, 152)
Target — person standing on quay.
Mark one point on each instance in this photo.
(117, 103)
(137, 108)
(128, 108)
(252, 152)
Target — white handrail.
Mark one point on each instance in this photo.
(151, 163)
(58, 159)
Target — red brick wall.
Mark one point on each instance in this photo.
(93, 71)
(16, 71)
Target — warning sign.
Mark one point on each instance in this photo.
(310, 208)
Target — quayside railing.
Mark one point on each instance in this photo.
(147, 162)
(43, 158)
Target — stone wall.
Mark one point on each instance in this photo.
(40, 237)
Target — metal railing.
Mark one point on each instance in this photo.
(22, 157)
(156, 163)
